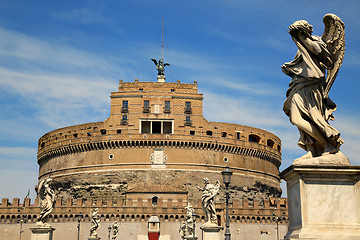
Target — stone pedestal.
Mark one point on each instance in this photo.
(161, 78)
(190, 238)
(211, 232)
(42, 233)
(324, 202)
(94, 238)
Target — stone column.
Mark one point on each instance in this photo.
(211, 232)
(324, 202)
(43, 233)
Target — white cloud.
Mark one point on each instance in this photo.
(83, 15)
(24, 51)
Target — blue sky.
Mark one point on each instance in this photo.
(59, 61)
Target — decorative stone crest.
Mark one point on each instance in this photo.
(158, 157)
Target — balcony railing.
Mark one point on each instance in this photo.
(124, 110)
(188, 110)
(187, 122)
(146, 110)
(167, 110)
(124, 122)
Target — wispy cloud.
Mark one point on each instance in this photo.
(86, 15)
(39, 55)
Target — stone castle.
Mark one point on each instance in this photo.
(148, 158)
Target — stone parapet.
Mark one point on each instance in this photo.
(141, 209)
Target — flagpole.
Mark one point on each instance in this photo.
(162, 40)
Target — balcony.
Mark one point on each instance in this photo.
(187, 122)
(124, 122)
(146, 110)
(167, 110)
(188, 110)
(124, 110)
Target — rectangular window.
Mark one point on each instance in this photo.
(125, 104)
(146, 104)
(187, 121)
(167, 107)
(145, 126)
(124, 108)
(167, 104)
(167, 127)
(124, 120)
(146, 107)
(238, 136)
(188, 108)
(156, 126)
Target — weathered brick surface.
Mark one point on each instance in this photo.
(105, 159)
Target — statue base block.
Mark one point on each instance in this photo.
(324, 202)
(44, 233)
(211, 232)
(94, 238)
(190, 238)
(161, 78)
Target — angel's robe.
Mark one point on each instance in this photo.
(306, 91)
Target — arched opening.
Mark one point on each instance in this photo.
(254, 138)
(154, 201)
(270, 143)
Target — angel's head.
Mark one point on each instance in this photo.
(301, 25)
(206, 180)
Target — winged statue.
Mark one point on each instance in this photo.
(46, 202)
(208, 201)
(160, 66)
(313, 72)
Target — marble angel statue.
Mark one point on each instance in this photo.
(313, 72)
(115, 228)
(186, 230)
(46, 201)
(95, 222)
(208, 202)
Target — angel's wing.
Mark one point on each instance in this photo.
(40, 191)
(334, 37)
(154, 60)
(166, 64)
(217, 186)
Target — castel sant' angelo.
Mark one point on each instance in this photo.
(148, 158)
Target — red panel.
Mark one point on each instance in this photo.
(154, 235)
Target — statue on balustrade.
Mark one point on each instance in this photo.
(313, 72)
(46, 202)
(187, 230)
(95, 223)
(115, 228)
(208, 202)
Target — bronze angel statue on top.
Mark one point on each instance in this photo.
(160, 66)
(313, 72)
